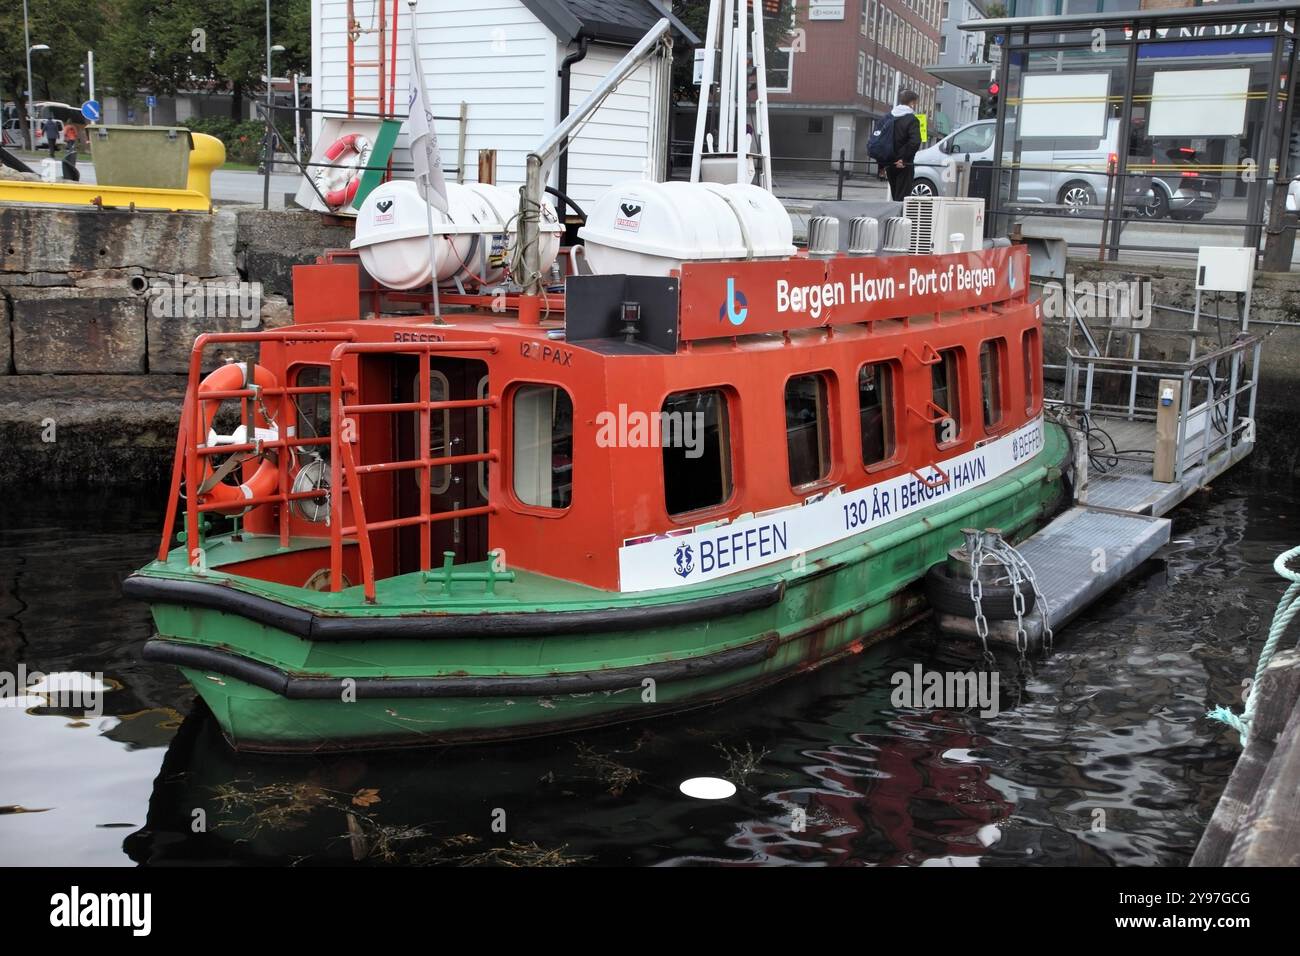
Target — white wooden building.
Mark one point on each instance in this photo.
(504, 60)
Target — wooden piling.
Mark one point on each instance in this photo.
(1257, 820)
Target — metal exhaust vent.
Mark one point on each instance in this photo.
(864, 236)
(898, 234)
(823, 236)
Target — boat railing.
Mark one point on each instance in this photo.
(192, 449)
(347, 473)
(1227, 377)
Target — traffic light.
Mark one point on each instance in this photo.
(81, 84)
(989, 107)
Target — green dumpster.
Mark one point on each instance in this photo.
(151, 156)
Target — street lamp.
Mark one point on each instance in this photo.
(31, 114)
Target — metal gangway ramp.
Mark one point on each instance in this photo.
(1158, 403)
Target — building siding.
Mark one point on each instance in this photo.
(503, 63)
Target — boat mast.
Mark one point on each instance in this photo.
(728, 39)
(538, 165)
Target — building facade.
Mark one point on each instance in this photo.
(956, 106)
(506, 62)
(842, 71)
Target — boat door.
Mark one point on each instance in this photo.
(452, 432)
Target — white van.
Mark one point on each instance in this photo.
(1067, 172)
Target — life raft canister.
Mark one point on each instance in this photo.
(338, 182)
(265, 480)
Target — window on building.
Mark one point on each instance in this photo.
(780, 65)
(862, 73)
(543, 446)
(945, 10)
(816, 125)
(698, 475)
(864, 25)
(876, 404)
(945, 395)
(807, 429)
(780, 70)
(1033, 360)
(991, 381)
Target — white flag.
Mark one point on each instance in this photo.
(425, 155)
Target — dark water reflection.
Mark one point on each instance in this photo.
(1101, 756)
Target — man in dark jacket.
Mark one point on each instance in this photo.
(907, 140)
(51, 130)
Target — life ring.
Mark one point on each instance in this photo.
(338, 182)
(266, 479)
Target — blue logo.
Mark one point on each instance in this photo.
(735, 309)
(684, 560)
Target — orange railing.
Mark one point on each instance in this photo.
(344, 463)
(346, 472)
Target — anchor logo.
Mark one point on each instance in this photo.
(684, 560)
(736, 308)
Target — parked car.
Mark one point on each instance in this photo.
(1068, 171)
(1185, 193)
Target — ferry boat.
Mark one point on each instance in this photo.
(709, 463)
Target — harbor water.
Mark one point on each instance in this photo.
(1099, 755)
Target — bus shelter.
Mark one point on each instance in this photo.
(1151, 132)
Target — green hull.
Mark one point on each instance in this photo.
(274, 690)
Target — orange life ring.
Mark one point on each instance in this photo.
(266, 479)
(338, 182)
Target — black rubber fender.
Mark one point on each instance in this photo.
(951, 595)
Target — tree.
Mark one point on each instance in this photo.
(68, 27)
(163, 46)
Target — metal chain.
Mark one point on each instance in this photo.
(976, 596)
(1027, 571)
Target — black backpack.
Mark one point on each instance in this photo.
(881, 145)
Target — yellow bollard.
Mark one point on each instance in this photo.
(209, 153)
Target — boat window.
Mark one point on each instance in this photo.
(483, 438)
(876, 412)
(697, 468)
(439, 428)
(991, 381)
(807, 429)
(1030, 341)
(943, 375)
(313, 410)
(543, 446)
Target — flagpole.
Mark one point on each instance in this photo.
(433, 252)
(428, 181)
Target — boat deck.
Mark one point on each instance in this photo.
(1127, 485)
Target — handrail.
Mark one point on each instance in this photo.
(343, 462)
(185, 462)
(944, 414)
(907, 350)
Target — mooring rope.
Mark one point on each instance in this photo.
(1287, 608)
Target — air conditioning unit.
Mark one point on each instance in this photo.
(938, 221)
